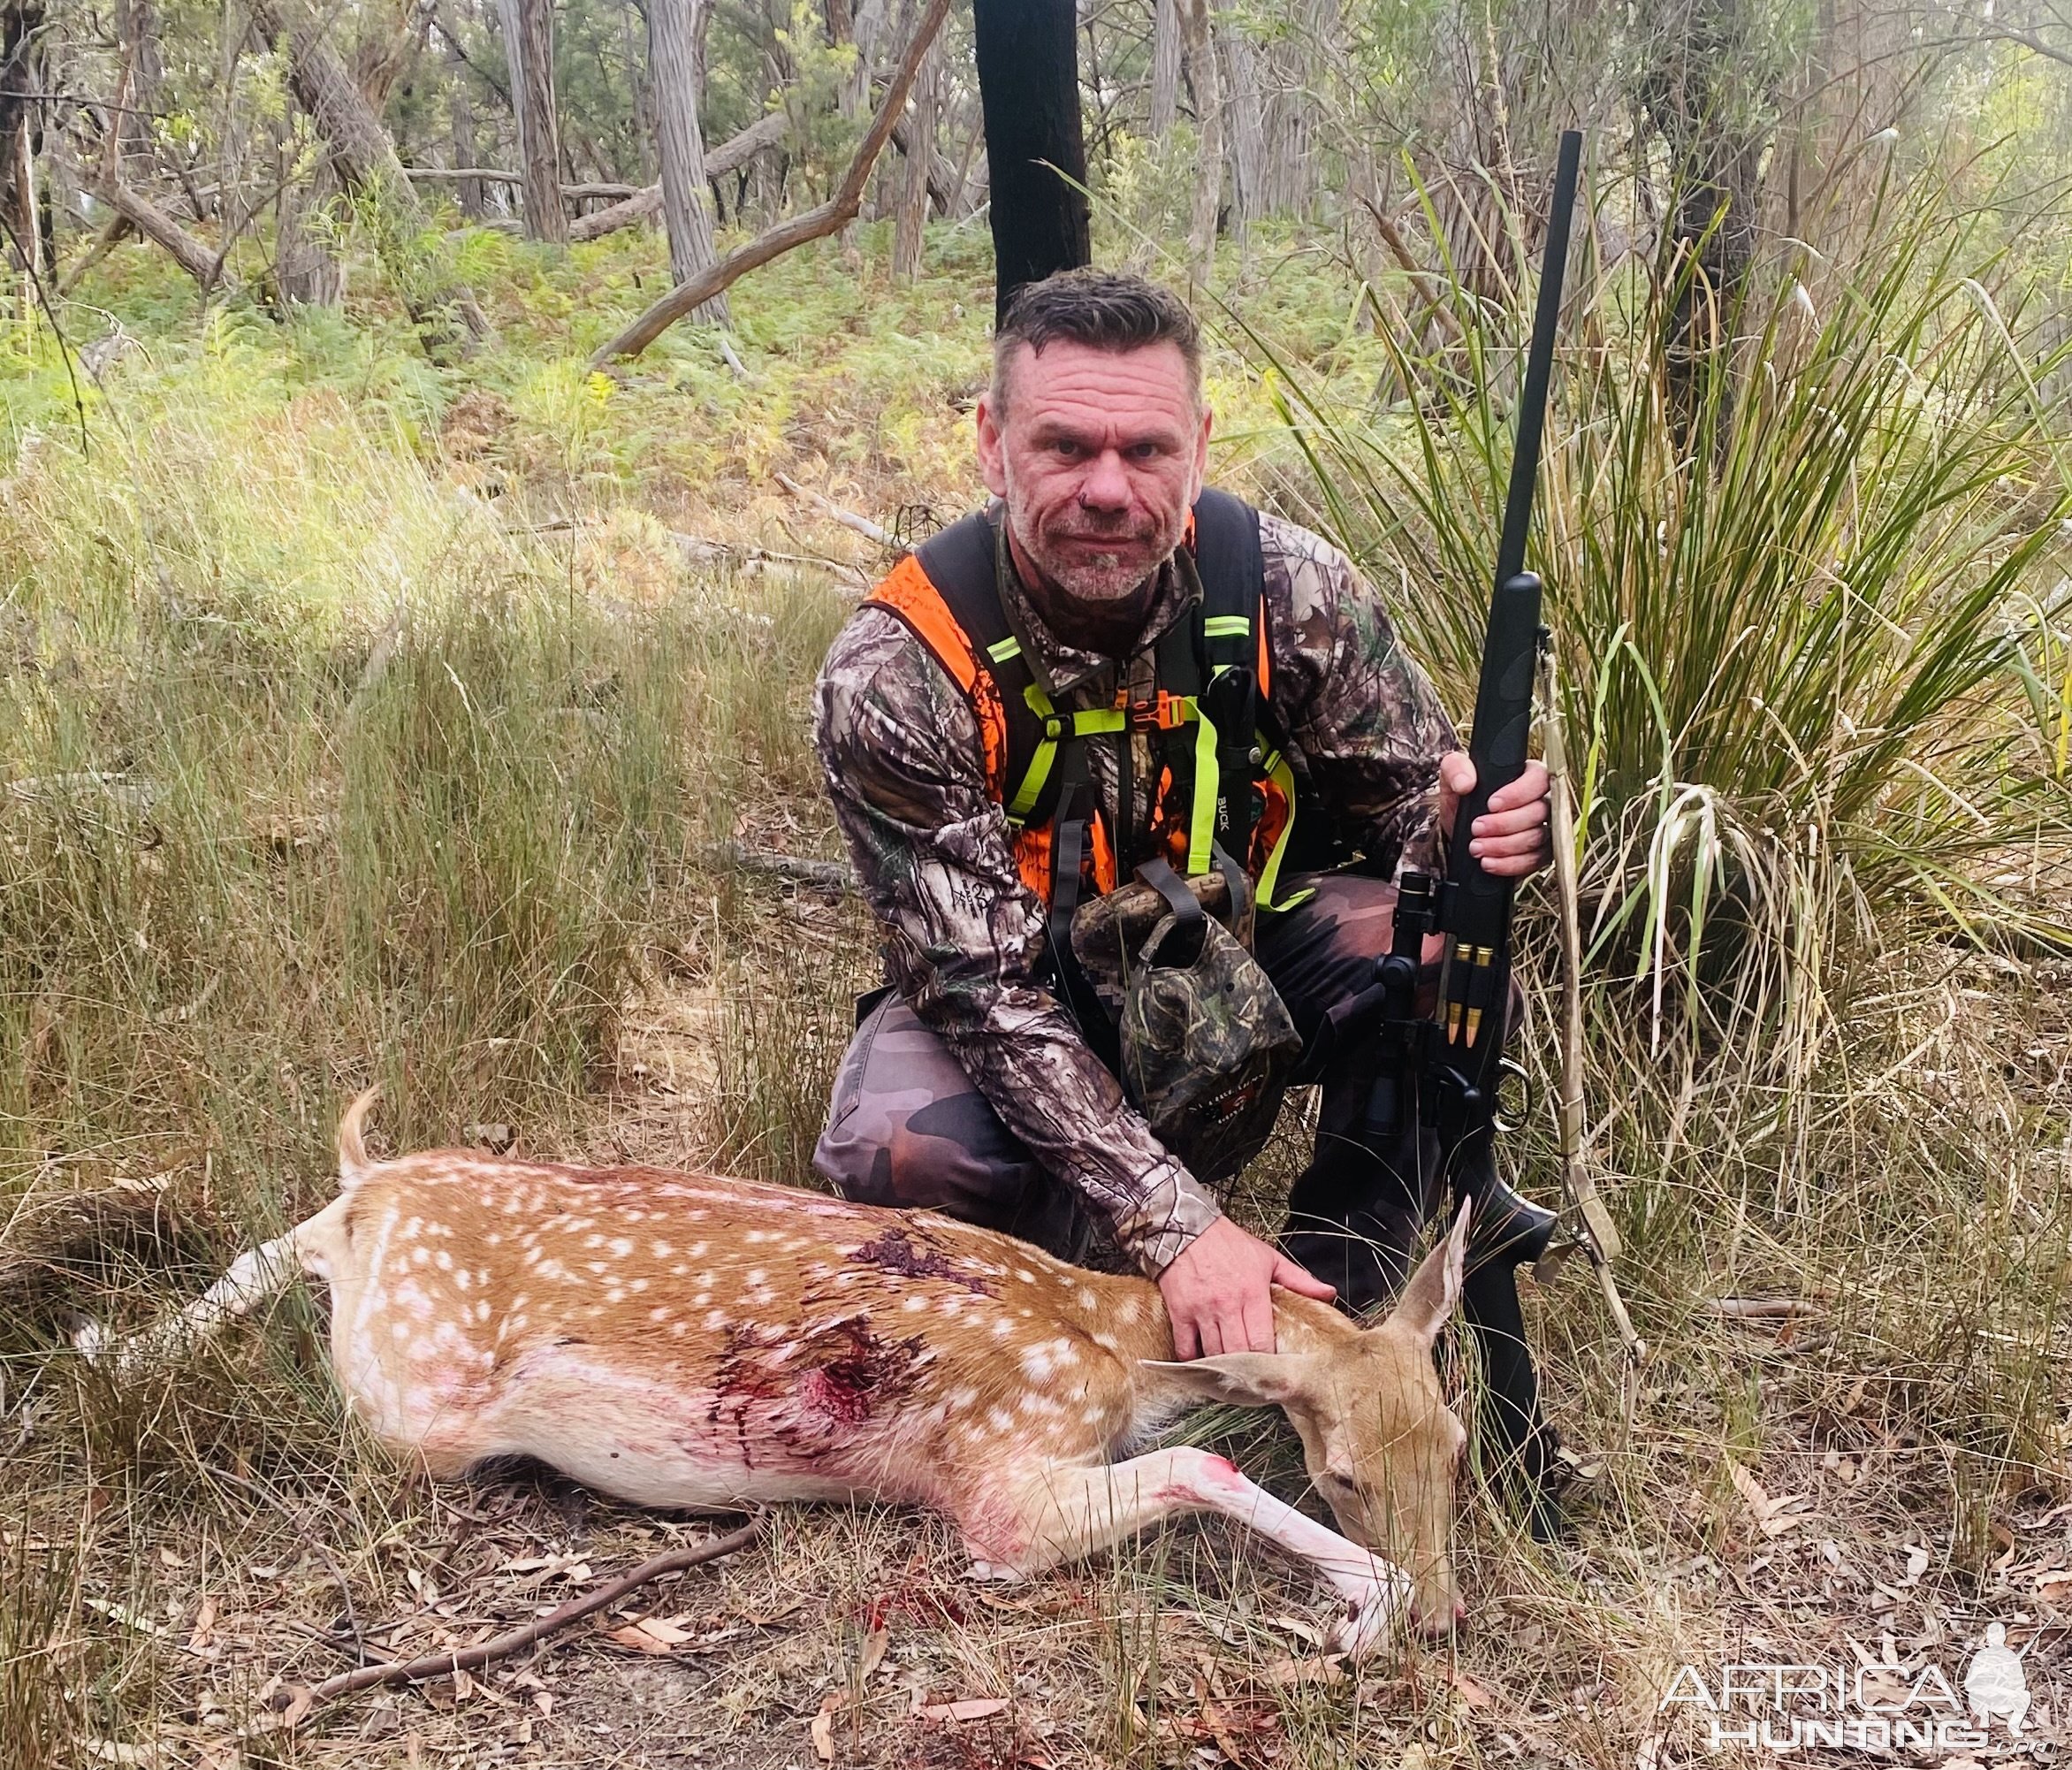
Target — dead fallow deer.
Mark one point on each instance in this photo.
(685, 1341)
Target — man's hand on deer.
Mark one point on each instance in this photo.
(1219, 1292)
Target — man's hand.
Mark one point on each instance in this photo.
(1511, 838)
(1219, 1292)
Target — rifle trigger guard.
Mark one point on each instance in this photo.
(1506, 1124)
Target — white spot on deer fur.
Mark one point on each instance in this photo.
(1127, 1310)
(658, 1314)
(421, 1257)
(1105, 1342)
(696, 1248)
(639, 1284)
(758, 1276)
(1087, 1300)
(756, 1236)
(1000, 1420)
(960, 1400)
(1001, 1327)
(593, 1241)
(915, 1304)
(703, 1298)
(444, 1260)
(621, 1247)
(716, 1318)
(1038, 1361)
(952, 1306)
(676, 1328)
(616, 1294)
(662, 1250)
(462, 1279)
(598, 1267)
(1025, 1275)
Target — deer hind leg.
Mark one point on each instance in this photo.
(1059, 1512)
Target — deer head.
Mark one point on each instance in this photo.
(1380, 1443)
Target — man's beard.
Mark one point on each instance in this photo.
(1088, 573)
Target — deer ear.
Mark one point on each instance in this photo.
(1428, 1300)
(1246, 1379)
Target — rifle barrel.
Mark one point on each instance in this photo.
(1539, 364)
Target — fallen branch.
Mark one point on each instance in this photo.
(473, 1658)
(730, 156)
(816, 224)
(825, 875)
(491, 175)
(200, 261)
(113, 235)
(1764, 1309)
(1432, 288)
(848, 519)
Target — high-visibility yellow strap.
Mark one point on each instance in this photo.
(1032, 786)
(1201, 828)
(1282, 775)
(1001, 650)
(1227, 627)
(1055, 725)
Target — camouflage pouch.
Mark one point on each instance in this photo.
(1207, 1042)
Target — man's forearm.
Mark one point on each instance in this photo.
(1024, 1052)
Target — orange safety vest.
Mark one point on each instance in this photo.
(947, 595)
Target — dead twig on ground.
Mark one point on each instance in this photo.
(473, 1658)
(848, 519)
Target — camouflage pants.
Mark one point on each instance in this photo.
(906, 1127)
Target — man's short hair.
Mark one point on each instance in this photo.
(1103, 309)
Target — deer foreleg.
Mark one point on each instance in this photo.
(1059, 1512)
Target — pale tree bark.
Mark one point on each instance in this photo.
(672, 59)
(909, 232)
(816, 224)
(21, 241)
(463, 145)
(645, 204)
(529, 50)
(1165, 66)
(443, 310)
(1208, 153)
(1247, 126)
(306, 272)
(196, 258)
(136, 38)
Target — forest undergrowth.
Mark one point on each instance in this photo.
(369, 722)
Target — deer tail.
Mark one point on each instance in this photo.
(354, 1162)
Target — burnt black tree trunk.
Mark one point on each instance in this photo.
(1029, 84)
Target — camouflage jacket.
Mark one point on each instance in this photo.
(902, 752)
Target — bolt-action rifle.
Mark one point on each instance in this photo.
(1436, 1096)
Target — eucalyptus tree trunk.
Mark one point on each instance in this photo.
(442, 308)
(462, 145)
(1247, 128)
(21, 239)
(1208, 158)
(529, 50)
(136, 38)
(1165, 66)
(673, 61)
(909, 230)
(306, 272)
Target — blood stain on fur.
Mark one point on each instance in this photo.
(897, 1251)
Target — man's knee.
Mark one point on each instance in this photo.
(906, 1128)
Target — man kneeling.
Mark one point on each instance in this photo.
(1108, 670)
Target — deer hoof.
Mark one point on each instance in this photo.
(1368, 1619)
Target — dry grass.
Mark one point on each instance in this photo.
(344, 771)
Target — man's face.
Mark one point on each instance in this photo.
(1099, 457)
